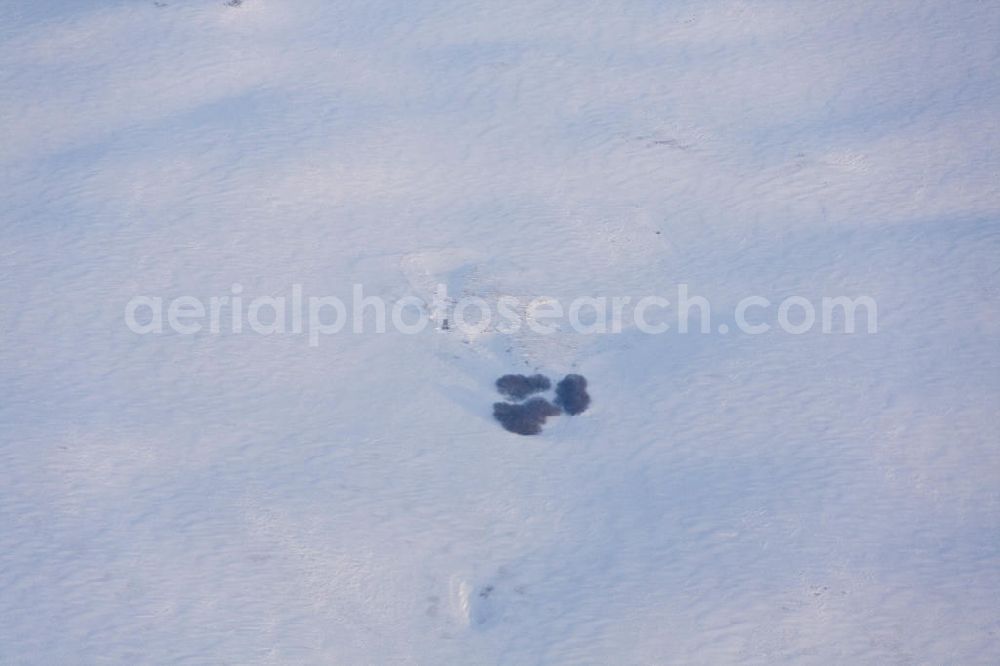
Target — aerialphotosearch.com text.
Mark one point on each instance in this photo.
(320, 316)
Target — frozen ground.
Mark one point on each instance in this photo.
(245, 499)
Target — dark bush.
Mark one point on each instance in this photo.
(519, 387)
(526, 418)
(571, 394)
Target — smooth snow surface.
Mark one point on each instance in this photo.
(249, 499)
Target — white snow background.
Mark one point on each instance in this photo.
(248, 499)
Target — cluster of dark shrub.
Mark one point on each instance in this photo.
(519, 387)
(527, 418)
(571, 394)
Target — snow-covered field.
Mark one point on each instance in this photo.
(728, 498)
